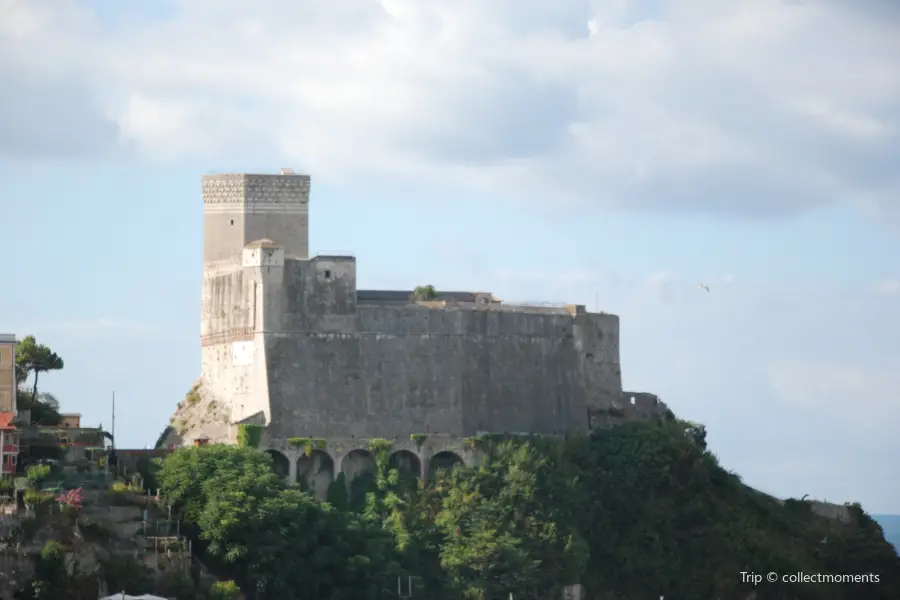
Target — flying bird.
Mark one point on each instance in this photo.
(703, 287)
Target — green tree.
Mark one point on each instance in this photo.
(189, 475)
(293, 547)
(34, 358)
(510, 525)
(44, 410)
(273, 537)
(424, 292)
(412, 519)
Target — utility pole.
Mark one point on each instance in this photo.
(113, 420)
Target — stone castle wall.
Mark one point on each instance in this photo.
(337, 369)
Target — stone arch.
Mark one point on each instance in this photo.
(359, 469)
(280, 463)
(406, 462)
(357, 462)
(446, 460)
(317, 471)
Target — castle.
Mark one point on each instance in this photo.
(289, 342)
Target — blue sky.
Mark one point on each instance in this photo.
(600, 152)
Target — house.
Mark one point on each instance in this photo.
(70, 420)
(7, 373)
(9, 443)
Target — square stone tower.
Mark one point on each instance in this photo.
(243, 208)
(239, 209)
(7, 372)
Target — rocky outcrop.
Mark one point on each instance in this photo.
(200, 415)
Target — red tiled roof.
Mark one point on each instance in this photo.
(6, 419)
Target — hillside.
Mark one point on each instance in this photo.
(637, 511)
(75, 530)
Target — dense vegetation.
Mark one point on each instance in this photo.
(638, 511)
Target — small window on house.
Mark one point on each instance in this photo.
(232, 221)
(589, 356)
(327, 274)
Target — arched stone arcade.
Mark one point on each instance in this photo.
(316, 471)
(280, 463)
(446, 460)
(357, 462)
(352, 458)
(406, 462)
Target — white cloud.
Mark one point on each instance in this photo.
(889, 287)
(759, 107)
(862, 397)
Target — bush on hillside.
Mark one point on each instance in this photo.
(225, 590)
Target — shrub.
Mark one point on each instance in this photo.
(308, 444)
(225, 590)
(52, 551)
(37, 498)
(424, 292)
(249, 435)
(120, 494)
(36, 474)
(192, 397)
(70, 502)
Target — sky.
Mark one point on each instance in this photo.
(611, 153)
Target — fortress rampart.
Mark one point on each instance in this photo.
(289, 342)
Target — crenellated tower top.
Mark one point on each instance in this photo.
(240, 208)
